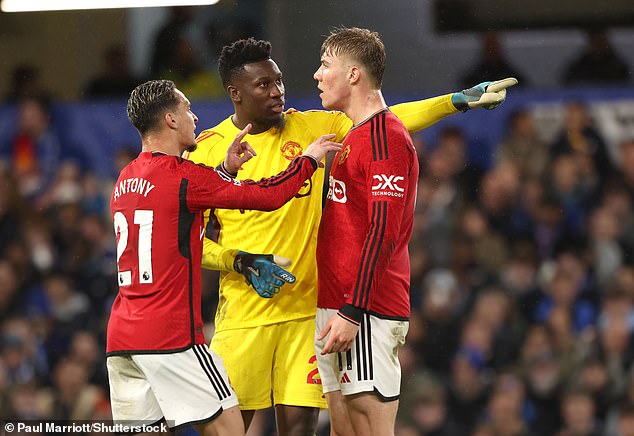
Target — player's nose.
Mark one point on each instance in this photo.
(277, 90)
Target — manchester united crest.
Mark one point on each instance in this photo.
(345, 151)
(291, 150)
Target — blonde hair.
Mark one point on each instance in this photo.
(362, 45)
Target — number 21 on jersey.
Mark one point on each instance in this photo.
(144, 220)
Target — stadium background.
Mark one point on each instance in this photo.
(522, 264)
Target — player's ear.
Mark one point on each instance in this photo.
(170, 120)
(234, 93)
(354, 74)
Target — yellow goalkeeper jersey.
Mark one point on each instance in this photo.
(290, 231)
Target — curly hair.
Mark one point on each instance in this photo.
(149, 101)
(243, 51)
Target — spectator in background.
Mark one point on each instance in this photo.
(475, 247)
(440, 299)
(116, 80)
(572, 190)
(22, 402)
(86, 350)
(468, 386)
(23, 353)
(439, 199)
(25, 83)
(605, 229)
(466, 175)
(615, 330)
(598, 63)
(424, 410)
(230, 22)
(545, 381)
(518, 274)
(625, 175)
(522, 146)
(34, 152)
(580, 138)
(168, 36)
(492, 64)
(493, 306)
(71, 396)
(497, 196)
(504, 413)
(617, 202)
(562, 292)
(578, 415)
(186, 70)
(594, 379)
(175, 58)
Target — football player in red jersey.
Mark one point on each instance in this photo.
(159, 366)
(363, 299)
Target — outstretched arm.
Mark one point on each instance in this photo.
(418, 115)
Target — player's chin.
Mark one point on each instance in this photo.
(275, 118)
(327, 104)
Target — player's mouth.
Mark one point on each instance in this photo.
(278, 106)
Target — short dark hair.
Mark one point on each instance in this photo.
(243, 51)
(149, 101)
(363, 45)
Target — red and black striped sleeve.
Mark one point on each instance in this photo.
(212, 189)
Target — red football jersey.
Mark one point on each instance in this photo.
(362, 254)
(157, 207)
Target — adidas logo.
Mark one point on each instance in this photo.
(345, 378)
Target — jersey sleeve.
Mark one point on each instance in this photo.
(215, 256)
(206, 188)
(417, 115)
(387, 182)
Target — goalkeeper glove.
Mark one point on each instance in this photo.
(264, 272)
(488, 95)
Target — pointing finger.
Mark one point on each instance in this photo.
(244, 132)
(501, 84)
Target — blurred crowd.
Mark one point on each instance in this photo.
(522, 282)
(522, 287)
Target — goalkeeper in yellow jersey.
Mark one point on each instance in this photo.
(267, 343)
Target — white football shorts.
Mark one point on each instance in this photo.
(189, 387)
(371, 365)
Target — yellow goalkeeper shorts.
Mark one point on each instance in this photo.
(278, 358)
